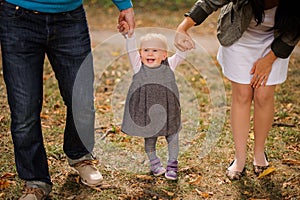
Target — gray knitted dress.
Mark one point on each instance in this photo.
(152, 105)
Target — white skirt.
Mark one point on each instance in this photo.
(238, 59)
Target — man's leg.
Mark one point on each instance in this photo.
(23, 58)
(69, 52)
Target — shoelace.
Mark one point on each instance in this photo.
(36, 191)
(86, 162)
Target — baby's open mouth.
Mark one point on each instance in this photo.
(150, 60)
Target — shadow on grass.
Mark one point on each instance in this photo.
(263, 188)
(71, 189)
(152, 189)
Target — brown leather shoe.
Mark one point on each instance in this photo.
(31, 193)
(88, 172)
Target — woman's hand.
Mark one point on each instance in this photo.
(262, 69)
(183, 40)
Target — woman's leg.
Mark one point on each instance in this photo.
(263, 119)
(242, 96)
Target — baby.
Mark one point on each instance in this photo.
(152, 106)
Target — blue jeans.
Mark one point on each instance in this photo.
(26, 37)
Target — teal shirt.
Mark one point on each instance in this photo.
(57, 6)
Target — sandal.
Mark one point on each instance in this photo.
(235, 175)
(259, 169)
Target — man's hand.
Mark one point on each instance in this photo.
(126, 23)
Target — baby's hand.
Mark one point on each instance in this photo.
(123, 28)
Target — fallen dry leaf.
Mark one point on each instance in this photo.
(77, 179)
(290, 162)
(104, 108)
(170, 194)
(289, 106)
(44, 116)
(195, 181)
(246, 192)
(204, 194)
(266, 172)
(286, 184)
(115, 53)
(144, 177)
(8, 175)
(102, 186)
(202, 81)
(71, 197)
(5, 183)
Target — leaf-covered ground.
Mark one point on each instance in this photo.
(122, 160)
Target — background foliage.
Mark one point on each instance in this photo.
(149, 4)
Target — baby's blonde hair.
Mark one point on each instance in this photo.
(155, 36)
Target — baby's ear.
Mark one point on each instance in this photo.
(165, 54)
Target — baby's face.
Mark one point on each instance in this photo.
(153, 53)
